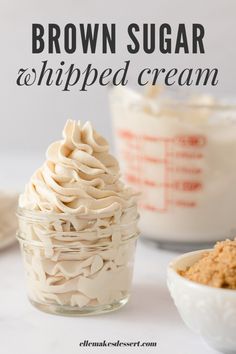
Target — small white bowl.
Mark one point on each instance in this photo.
(208, 311)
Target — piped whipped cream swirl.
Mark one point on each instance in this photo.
(79, 176)
(78, 224)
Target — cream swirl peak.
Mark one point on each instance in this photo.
(78, 176)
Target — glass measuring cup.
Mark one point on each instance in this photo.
(181, 156)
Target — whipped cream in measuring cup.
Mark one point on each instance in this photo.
(181, 156)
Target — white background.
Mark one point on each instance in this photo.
(32, 117)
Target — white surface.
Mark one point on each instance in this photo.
(149, 316)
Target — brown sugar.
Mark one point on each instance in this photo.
(216, 268)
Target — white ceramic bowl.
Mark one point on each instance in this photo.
(208, 311)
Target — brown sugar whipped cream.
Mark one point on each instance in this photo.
(216, 268)
(78, 227)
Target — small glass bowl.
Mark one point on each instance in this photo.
(78, 265)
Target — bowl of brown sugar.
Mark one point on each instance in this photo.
(203, 287)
